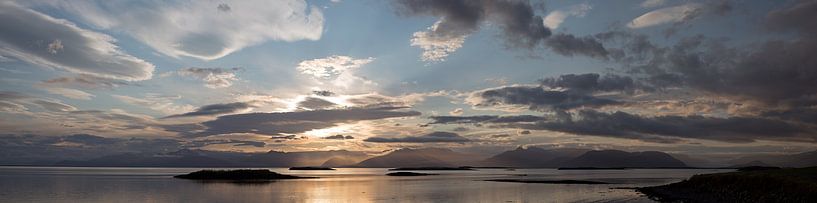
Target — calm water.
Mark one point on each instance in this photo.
(57, 184)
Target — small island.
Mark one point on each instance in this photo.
(312, 168)
(769, 185)
(583, 182)
(410, 174)
(463, 168)
(242, 174)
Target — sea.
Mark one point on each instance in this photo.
(354, 185)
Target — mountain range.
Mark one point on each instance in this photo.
(522, 157)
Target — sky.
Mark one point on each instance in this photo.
(482, 76)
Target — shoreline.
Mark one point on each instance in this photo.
(774, 185)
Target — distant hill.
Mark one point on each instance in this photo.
(419, 158)
(533, 157)
(146, 160)
(203, 158)
(752, 163)
(339, 162)
(805, 159)
(616, 159)
(314, 158)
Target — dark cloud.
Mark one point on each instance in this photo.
(520, 25)
(223, 7)
(590, 82)
(339, 137)
(501, 135)
(538, 99)
(284, 137)
(667, 129)
(40, 39)
(484, 119)
(296, 122)
(325, 93)
(216, 109)
(569, 45)
(427, 138)
(85, 81)
(798, 16)
(313, 103)
(235, 143)
(774, 72)
(460, 129)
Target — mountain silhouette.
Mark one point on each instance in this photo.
(419, 158)
(622, 159)
(532, 157)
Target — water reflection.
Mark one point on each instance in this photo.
(26, 184)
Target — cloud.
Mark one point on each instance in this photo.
(84, 81)
(324, 93)
(673, 14)
(456, 112)
(336, 70)
(773, 72)
(436, 47)
(569, 45)
(296, 122)
(794, 17)
(534, 98)
(590, 82)
(485, 119)
(202, 29)
(313, 103)
(555, 18)
(212, 77)
(70, 93)
(339, 137)
(235, 143)
(457, 19)
(161, 103)
(217, 109)
(667, 129)
(54, 105)
(427, 138)
(42, 40)
(652, 3)
(15, 102)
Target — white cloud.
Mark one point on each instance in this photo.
(335, 70)
(203, 29)
(55, 46)
(666, 15)
(555, 18)
(436, 47)
(39, 39)
(456, 112)
(70, 93)
(161, 103)
(212, 77)
(653, 3)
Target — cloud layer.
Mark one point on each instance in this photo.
(203, 29)
(39, 39)
(427, 138)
